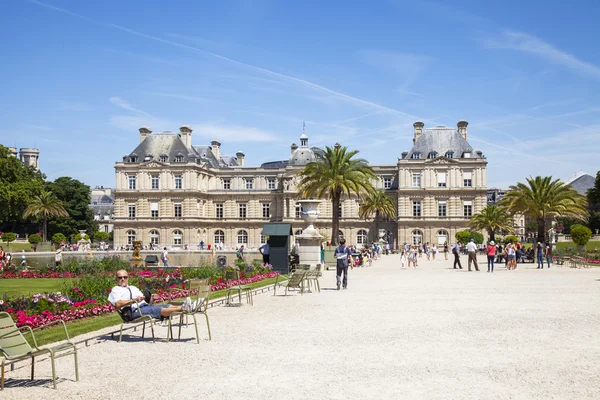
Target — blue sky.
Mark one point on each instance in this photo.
(79, 78)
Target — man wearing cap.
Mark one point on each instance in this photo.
(491, 253)
(472, 251)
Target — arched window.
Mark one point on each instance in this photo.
(298, 232)
(442, 236)
(242, 237)
(130, 236)
(154, 237)
(219, 236)
(177, 237)
(417, 237)
(361, 237)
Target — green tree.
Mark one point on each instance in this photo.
(463, 236)
(477, 237)
(378, 203)
(492, 218)
(335, 172)
(544, 199)
(100, 236)
(580, 234)
(58, 238)
(511, 238)
(43, 206)
(8, 237)
(593, 196)
(76, 198)
(18, 185)
(35, 238)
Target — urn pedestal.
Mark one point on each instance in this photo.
(309, 242)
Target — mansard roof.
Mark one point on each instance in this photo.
(582, 183)
(165, 143)
(441, 140)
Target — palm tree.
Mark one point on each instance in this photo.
(543, 199)
(378, 203)
(333, 173)
(493, 219)
(45, 205)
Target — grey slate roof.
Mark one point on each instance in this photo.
(164, 143)
(275, 164)
(442, 139)
(583, 183)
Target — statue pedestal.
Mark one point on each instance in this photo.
(309, 242)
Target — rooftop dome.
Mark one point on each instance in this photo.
(302, 156)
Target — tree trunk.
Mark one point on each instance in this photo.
(541, 230)
(335, 203)
(376, 239)
(492, 234)
(44, 229)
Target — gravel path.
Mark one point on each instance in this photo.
(425, 333)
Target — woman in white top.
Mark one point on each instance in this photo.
(511, 257)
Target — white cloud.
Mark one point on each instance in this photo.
(530, 44)
(119, 102)
(405, 66)
(234, 133)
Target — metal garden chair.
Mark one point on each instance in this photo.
(202, 289)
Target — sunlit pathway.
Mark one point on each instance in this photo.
(425, 333)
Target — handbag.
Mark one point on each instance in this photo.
(127, 312)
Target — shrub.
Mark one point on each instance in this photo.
(580, 234)
(8, 237)
(463, 236)
(100, 236)
(511, 238)
(478, 237)
(58, 238)
(35, 238)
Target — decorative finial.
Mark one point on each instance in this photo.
(303, 127)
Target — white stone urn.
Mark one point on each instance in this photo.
(310, 214)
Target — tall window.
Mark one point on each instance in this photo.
(249, 184)
(387, 182)
(242, 237)
(177, 237)
(298, 210)
(177, 210)
(154, 182)
(219, 236)
(361, 237)
(441, 179)
(271, 183)
(442, 237)
(242, 207)
(154, 210)
(441, 208)
(416, 179)
(131, 210)
(132, 182)
(417, 237)
(263, 239)
(266, 210)
(467, 179)
(416, 208)
(130, 237)
(219, 211)
(178, 182)
(154, 237)
(226, 184)
(468, 208)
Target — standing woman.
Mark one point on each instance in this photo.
(540, 255)
(445, 250)
(491, 254)
(434, 251)
(548, 254)
(511, 257)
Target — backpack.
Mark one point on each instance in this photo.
(454, 250)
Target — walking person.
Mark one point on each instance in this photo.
(472, 252)
(343, 257)
(491, 254)
(445, 250)
(434, 251)
(456, 252)
(540, 255)
(165, 257)
(403, 259)
(548, 254)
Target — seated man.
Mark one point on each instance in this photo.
(123, 294)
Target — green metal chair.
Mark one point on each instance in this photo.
(142, 319)
(239, 288)
(295, 281)
(312, 277)
(14, 346)
(202, 289)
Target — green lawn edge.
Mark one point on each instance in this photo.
(81, 327)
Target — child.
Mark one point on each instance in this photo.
(403, 259)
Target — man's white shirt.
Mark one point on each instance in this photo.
(122, 293)
(471, 247)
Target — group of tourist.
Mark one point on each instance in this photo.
(412, 253)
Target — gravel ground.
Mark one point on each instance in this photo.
(425, 333)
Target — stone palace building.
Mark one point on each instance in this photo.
(172, 193)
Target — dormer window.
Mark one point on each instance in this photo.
(164, 158)
(467, 154)
(415, 156)
(133, 157)
(148, 157)
(433, 154)
(178, 158)
(449, 154)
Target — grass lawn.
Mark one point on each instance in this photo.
(81, 327)
(591, 245)
(15, 247)
(17, 287)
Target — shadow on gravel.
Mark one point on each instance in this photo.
(21, 383)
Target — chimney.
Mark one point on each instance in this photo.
(215, 147)
(240, 157)
(418, 130)
(144, 133)
(13, 151)
(462, 128)
(293, 148)
(185, 132)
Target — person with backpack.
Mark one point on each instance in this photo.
(456, 252)
(343, 257)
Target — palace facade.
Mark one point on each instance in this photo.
(172, 193)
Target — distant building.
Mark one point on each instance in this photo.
(102, 203)
(28, 156)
